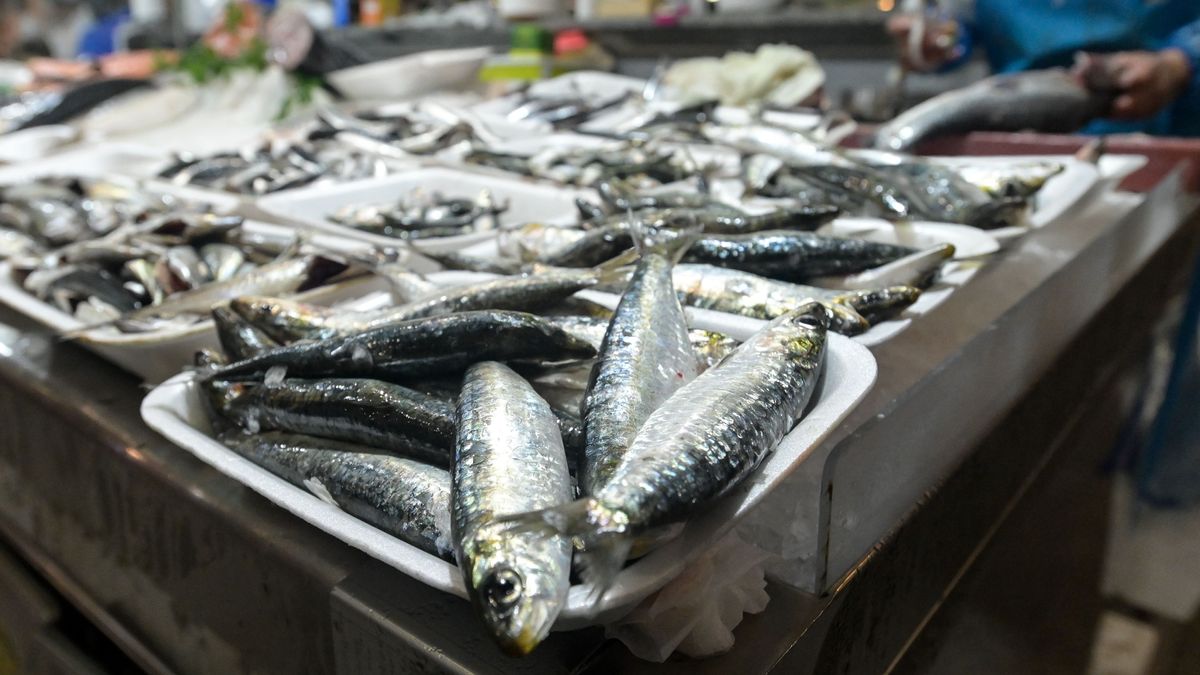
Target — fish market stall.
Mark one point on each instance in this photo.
(602, 378)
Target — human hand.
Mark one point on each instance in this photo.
(938, 41)
(1146, 82)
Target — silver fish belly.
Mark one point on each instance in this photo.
(509, 459)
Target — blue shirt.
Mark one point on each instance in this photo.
(1029, 34)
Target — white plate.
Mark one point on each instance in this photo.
(968, 242)
(157, 355)
(528, 202)
(173, 410)
(411, 75)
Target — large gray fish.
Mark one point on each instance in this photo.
(646, 355)
(1051, 101)
(792, 256)
(436, 345)
(368, 412)
(700, 444)
(406, 499)
(508, 460)
(746, 294)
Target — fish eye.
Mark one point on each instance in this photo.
(502, 589)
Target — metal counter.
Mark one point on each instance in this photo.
(1019, 376)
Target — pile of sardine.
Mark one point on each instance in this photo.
(41, 215)
(335, 148)
(142, 265)
(517, 429)
(424, 214)
(799, 166)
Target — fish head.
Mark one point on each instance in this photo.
(519, 584)
(282, 320)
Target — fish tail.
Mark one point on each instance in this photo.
(1000, 213)
(600, 563)
(600, 534)
(667, 242)
(845, 319)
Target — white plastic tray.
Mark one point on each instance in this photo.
(157, 355)
(173, 409)
(528, 202)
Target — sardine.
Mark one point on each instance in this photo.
(283, 276)
(406, 499)
(1050, 101)
(792, 256)
(509, 459)
(746, 294)
(441, 344)
(645, 356)
(376, 414)
(700, 444)
(223, 260)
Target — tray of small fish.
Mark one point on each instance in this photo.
(134, 279)
(442, 209)
(428, 435)
(336, 146)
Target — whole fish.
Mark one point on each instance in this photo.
(239, 338)
(283, 276)
(440, 344)
(376, 414)
(700, 444)
(645, 356)
(745, 294)
(792, 256)
(721, 222)
(1051, 101)
(509, 459)
(460, 261)
(522, 293)
(406, 499)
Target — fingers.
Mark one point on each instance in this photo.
(899, 26)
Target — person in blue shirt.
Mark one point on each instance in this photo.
(1154, 47)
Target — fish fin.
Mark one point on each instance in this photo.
(587, 210)
(668, 242)
(600, 563)
(564, 520)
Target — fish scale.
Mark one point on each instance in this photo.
(509, 459)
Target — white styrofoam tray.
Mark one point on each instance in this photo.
(528, 201)
(174, 410)
(157, 355)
